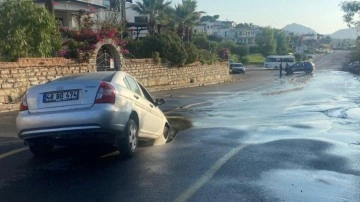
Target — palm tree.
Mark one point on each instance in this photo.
(155, 10)
(186, 18)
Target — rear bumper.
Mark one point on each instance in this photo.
(72, 135)
(80, 123)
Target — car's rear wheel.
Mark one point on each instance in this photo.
(40, 147)
(128, 144)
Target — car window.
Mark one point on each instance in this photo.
(132, 85)
(236, 65)
(101, 76)
(146, 94)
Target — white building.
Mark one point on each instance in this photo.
(67, 11)
(227, 30)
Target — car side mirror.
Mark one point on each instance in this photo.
(159, 101)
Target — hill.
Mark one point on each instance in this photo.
(350, 33)
(297, 28)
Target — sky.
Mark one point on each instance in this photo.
(324, 16)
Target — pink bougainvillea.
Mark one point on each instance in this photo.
(80, 44)
(224, 54)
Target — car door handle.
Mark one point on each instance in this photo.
(152, 106)
(135, 96)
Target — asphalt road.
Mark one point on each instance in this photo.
(260, 138)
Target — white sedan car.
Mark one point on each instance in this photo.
(98, 107)
(237, 68)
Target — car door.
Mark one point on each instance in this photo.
(296, 67)
(157, 115)
(143, 108)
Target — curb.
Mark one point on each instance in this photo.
(190, 85)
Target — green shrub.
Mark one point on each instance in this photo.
(175, 54)
(27, 30)
(172, 49)
(206, 57)
(240, 50)
(192, 52)
(244, 60)
(135, 48)
(145, 47)
(235, 58)
(201, 41)
(255, 58)
(151, 44)
(156, 57)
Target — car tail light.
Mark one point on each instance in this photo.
(105, 94)
(23, 103)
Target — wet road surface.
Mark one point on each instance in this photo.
(262, 138)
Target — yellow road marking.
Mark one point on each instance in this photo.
(185, 196)
(13, 152)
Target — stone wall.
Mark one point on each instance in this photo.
(153, 75)
(16, 77)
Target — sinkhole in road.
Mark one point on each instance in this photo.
(178, 123)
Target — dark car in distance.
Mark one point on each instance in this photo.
(307, 67)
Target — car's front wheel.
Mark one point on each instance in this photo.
(40, 147)
(164, 138)
(127, 144)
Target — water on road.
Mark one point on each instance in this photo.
(302, 137)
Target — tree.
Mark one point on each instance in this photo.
(154, 9)
(209, 18)
(266, 42)
(351, 9)
(245, 26)
(282, 43)
(186, 17)
(27, 30)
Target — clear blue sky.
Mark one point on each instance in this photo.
(324, 16)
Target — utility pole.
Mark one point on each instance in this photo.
(123, 17)
(123, 10)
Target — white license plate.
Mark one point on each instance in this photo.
(60, 96)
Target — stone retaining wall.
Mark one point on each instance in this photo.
(16, 77)
(153, 75)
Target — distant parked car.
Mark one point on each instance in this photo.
(353, 67)
(101, 107)
(237, 68)
(307, 67)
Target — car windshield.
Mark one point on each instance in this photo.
(101, 76)
(237, 65)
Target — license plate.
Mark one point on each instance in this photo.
(60, 96)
